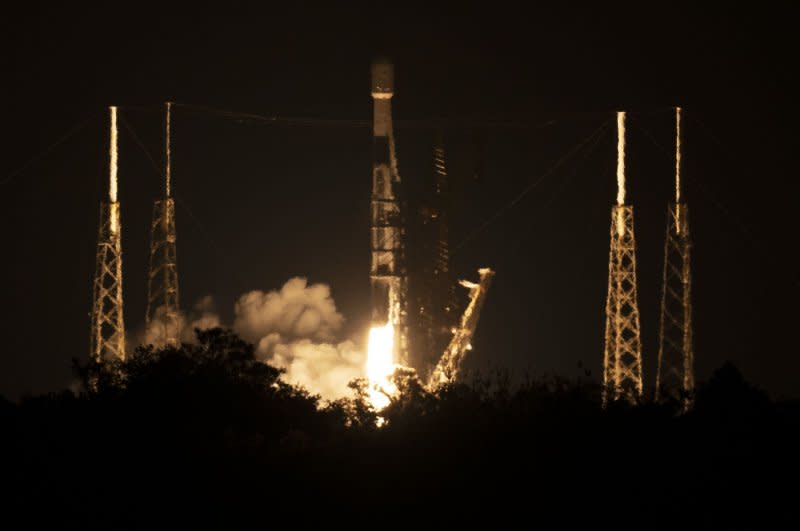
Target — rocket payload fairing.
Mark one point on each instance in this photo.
(387, 231)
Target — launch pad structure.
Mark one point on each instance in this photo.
(675, 375)
(622, 363)
(449, 366)
(411, 289)
(622, 357)
(433, 307)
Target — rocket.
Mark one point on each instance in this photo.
(387, 271)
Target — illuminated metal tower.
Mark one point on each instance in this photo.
(622, 362)
(108, 326)
(388, 276)
(163, 310)
(675, 376)
(451, 362)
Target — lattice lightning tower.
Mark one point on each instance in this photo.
(675, 376)
(163, 309)
(622, 363)
(108, 326)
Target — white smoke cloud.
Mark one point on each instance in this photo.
(294, 328)
(322, 368)
(203, 316)
(297, 311)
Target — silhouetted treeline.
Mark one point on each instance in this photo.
(206, 435)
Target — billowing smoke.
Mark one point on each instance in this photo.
(202, 316)
(322, 368)
(296, 311)
(294, 328)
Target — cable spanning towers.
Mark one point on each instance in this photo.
(675, 376)
(108, 326)
(622, 361)
(388, 276)
(163, 309)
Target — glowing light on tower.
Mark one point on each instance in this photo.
(622, 356)
(621, 158)
(108, 325)
(678, 167)
(163, 307)
(168, 151)
(112, 172)
(675, 375)
(620, 169)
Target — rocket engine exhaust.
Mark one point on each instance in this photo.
(380, 365)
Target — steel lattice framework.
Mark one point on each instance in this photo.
(431, 289)
(675, 376)
(162, 279)
(450, 364)
(163, 307)
(622, 363)
(446, 291)
(108, 324)
(107, 339)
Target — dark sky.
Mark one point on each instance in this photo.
(259, 204)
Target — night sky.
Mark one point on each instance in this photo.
(259, 204)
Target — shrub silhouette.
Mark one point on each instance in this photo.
(205, 434)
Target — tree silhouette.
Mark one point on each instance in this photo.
(205, 434)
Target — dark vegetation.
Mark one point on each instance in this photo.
(206, 435)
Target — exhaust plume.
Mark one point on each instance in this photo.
(380, 365)
(294, 328)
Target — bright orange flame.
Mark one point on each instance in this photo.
(380, 365)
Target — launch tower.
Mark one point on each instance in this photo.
(163, 310)
(431, 289)
(108, 326)
(675, 376)
(622, 360)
